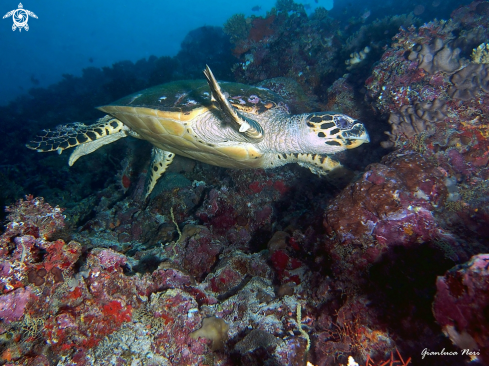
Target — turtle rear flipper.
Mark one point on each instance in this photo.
(85, 138)
(247, 127)
(160, 160)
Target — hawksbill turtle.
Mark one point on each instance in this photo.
(243, 127)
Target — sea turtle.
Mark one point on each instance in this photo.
(243, 127)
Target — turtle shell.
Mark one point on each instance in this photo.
(186, 96)
(165, 115)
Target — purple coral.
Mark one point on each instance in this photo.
(12, 305)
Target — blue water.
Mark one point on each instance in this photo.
(71, 35)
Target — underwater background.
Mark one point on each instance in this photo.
(382, 262)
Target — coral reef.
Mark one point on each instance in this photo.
(275, 267)
(356, 12)
(480, 55)
(205, 45)
(284, 43)
(237, 27)
(437, 56)
(467, 83)
(422, 72)
(235, 267)
(435, 97)
(461, 299)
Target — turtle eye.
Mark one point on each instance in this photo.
(343, 122)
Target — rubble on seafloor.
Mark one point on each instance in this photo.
(279, 267)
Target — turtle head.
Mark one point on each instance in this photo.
(329, 132)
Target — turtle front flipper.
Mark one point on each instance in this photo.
(85, 138)
(160, 160)
(248, 127)
(317, 164)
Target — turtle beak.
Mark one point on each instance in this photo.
(356, 135)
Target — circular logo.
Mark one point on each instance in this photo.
(20, 18)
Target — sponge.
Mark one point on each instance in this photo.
(214, 329)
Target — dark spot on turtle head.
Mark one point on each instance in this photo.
(321, 134)
(114, 124)
(310, 124)
(335, 131)
(316, 119)
(91, 135)
(333, 143)
(98, 130)
(327, 125)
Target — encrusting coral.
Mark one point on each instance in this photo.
(437, 56)
(480, 55)
(423, 71)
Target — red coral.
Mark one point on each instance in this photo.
(280, 186)
(280, 260)
(76, 293)
(126, 181)
(262, 28)
(114, 309)
(256, 187)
